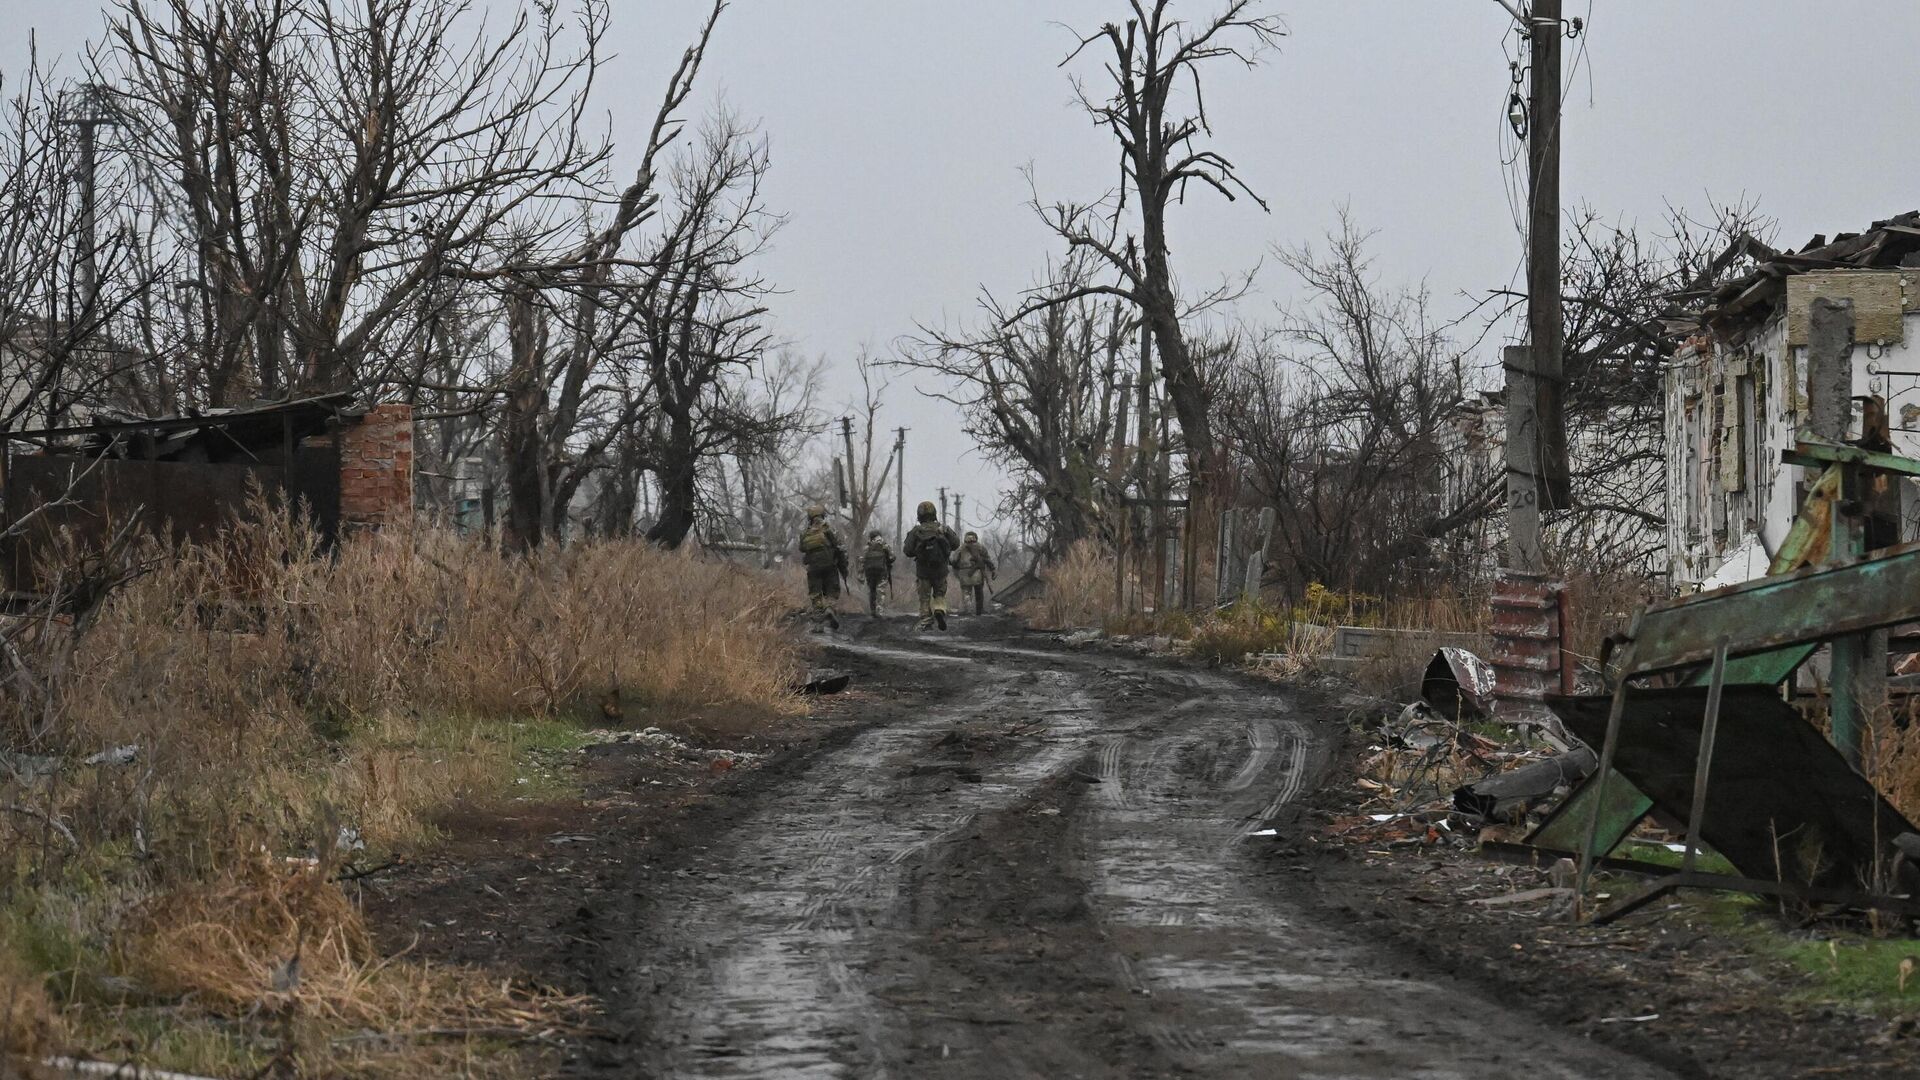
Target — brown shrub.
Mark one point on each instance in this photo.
(1079, 590)
(267, 935)
(264, 681)
(27, 1023)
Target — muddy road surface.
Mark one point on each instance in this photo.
(1038, 863)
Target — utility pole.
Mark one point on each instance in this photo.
(1546, 327)
(900, 488)
(943, 506)
(959, 520)
(856, 482)
(93, 114)
(1527, 607)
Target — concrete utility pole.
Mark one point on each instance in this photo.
(959, 520)
(1546, 327)
(93, 114)
(1527, 607)
(900, 488)
(943, 507)
(856, 483)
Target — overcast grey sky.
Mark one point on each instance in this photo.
(899, 129)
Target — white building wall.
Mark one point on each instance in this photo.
(1730, 411)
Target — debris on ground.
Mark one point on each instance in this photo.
(672, 747)
(118, 755)
(823, 681)
(1458, 685)
(1511, 796)
(1426, 777)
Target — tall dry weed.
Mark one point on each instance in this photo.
(270, 694)
(1079, 590)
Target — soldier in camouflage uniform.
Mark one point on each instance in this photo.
(975, 566)
(877, 566)
(826, 563)
(931, 546)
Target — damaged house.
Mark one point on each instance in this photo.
(347, 466)
(1735, 394)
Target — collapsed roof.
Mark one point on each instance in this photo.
(205, 435)
(1887, 245)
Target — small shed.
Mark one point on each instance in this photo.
(345, 465)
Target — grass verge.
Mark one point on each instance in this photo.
(272, 714)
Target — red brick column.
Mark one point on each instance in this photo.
(376, 469)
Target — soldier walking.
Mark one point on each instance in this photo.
(931, 546)
(826, 563)
(877, 565)
(975, 565)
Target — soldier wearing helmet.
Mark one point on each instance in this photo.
(826, 563)
(877, 566)
(931, 546)
(975, 566)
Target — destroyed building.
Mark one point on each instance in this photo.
(1736, 396)
(347, 466)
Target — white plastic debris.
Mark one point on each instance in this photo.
(119, 755)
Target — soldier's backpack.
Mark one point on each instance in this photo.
(878, 560)
(931, 551)
(816, 547)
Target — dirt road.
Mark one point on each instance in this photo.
(1041, 864)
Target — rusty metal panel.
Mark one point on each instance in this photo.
(1526, 636)
(1773, 613)
(1880, 299)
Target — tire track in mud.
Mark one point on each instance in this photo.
(779, 985)
(938, 899)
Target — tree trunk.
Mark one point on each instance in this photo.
(1186, 390)
(679, 486)
(521, 441)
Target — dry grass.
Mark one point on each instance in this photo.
(1893, 761)
(27, 1022)
(277, 694)
(1079, 591)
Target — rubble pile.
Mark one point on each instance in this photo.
(1441, 772)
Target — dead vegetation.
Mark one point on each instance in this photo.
(243, 721)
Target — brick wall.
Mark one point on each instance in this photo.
(376, 469)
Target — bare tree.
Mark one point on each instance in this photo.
(317, 166)
(1342, 421)
(1151, 60)
(700, 316)
(870, 471)
(72, 278)
(1619, 281)
(1042, 390)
